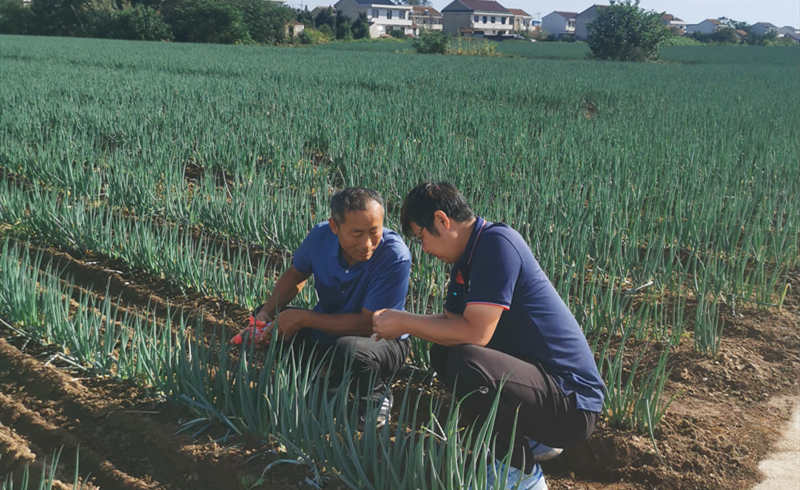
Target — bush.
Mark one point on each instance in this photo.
(431, 42)
(313, 36)
(624, 32)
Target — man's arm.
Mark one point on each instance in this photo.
(290, 321)
(476, 326)
(286, 288)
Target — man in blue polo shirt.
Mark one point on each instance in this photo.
(503, 318)
(359, 267)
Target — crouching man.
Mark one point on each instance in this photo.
(503, 320)
(359, 267)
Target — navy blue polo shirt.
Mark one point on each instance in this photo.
(380, 282)
(498, 268)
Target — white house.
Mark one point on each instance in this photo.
(559, 23)
(485, 17)
(708, 26)
(423, 17)
(523, 21)
(583, 19)
(763, 28)
(383, 17)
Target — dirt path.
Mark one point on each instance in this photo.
(780, 468)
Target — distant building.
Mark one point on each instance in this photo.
(708, 26)
(763, 28)
(423, 17)
(485, 17)
(383, 16)
(786, 30)
(583, 19)
(559, 23)
(676, 25)
(523, 21)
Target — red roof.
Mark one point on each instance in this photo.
(519, 12)
(422, 9)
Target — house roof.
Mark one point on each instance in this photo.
(670, 18)
(713, 21)
(566, 15)
(595, 6)
(388, 3)
(475, 5)
(425, 10)
(764, 24)
(519, 12)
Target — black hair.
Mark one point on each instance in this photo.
(427, 198)
(352, 199)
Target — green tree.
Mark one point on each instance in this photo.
(360, 27)
(266, 21)
(206, 21)
(343, 30)
(141, 23)
(15, 18)
(625, 32)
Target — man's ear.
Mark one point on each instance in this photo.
(334, 226)
(441, 221)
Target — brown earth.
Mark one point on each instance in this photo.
(725, 415)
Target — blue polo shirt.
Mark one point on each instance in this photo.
(498, 268)
(380, 282)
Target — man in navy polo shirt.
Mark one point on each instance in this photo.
(359, 267)
(503, 318)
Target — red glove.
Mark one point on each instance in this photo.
(253, 332)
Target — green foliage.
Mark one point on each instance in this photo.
(313, 36)
(265, 20)
(625, 32)
(471, 47)
(15, 18)
(430, 41)
(206, 21)
(141, 23)
(360, 27)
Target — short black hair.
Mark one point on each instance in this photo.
(427, 198)
(352, 199)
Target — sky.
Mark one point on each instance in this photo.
(778, 12)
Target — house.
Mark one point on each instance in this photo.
(423, 17)
(583, 19)
(523, 21)
(708, 26)
(559, 23)
(294, 29)
(763, 28)
(485, 17)
(383, 16)
(676, 25)
(786, 30)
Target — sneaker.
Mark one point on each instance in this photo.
(383, 415)
(516, 479)
(542, 452)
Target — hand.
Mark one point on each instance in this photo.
(291, 321)
(261, 330)
(388, 324)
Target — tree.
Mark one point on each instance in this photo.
(141, 23)
(625, 32)
(206, 21)
(360, 27)
(343, 26)
(431, 42)
(15, 18)
(265, 21)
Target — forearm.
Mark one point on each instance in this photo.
(288, 285)
(449, 329)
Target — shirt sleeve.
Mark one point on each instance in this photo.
(389, 288)
(302, 259)
(494, 272)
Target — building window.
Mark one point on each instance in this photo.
(401, 14)
(502, 20)
(484, 19)
(492, 19)
(388, 14)
(476, 19)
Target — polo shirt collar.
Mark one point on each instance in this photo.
(476, 228)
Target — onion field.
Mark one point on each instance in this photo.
(150, 194)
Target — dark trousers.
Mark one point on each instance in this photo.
(371, 362)
(530, 396)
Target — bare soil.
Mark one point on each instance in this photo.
(725, 415)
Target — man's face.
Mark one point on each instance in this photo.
(436, 244)
(360, 233)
